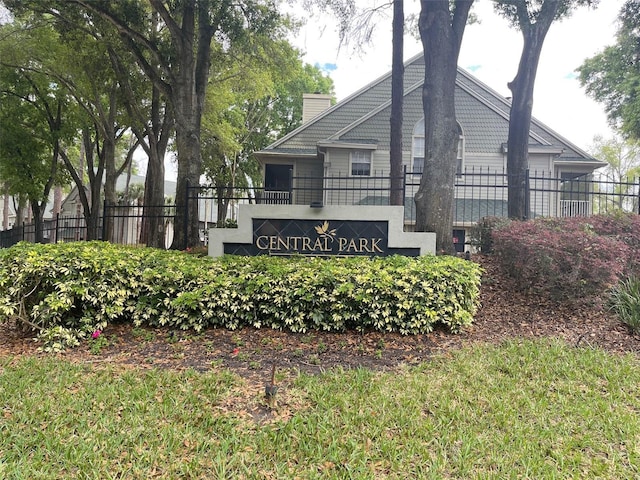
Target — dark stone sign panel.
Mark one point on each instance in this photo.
(318, 238)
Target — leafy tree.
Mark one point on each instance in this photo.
(91, 80)
(152, 122)
(181, 66)
(623, 165)
(622, 156)
(442, 25)
(612, 77)
(32, 121)
(533, 19)
(78, 59)
(244, 117)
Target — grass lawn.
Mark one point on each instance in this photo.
(524, 409)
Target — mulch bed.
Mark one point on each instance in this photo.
(504, 314)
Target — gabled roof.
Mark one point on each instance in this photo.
(362, 117)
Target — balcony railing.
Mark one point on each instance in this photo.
(274, 197)
(575, 208)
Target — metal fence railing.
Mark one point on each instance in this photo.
(478, 193)
(57, 229)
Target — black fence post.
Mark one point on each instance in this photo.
(404, 185)
(527, 195)
(104, 218)
(638, 195)
(57, 232)
(290, 185)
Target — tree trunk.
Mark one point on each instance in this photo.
(38, 214)
(19, 208)
(90, 203)
(397, 97)
(521, 109)
(110, 195)
(153, 231)
(441, 35)
(188, 103)
(158, 134)
(108, 159)
(189, 169)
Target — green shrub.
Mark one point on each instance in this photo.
(625, 302)
(81, 287)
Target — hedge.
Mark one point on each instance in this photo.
(68, 291)
(569, 259)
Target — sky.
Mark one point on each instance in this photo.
(490, 51)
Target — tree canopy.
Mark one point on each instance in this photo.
(183, 48)
(36, 118)
(612, 77)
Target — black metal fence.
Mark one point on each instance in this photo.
(57, 229)
(478, 193)
(127, 223)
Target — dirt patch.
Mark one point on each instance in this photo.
(251, 353)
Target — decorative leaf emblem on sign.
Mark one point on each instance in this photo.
(323, 231)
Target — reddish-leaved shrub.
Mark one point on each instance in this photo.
(562, 258)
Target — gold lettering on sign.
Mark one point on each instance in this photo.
(262, 242)
(323, 243)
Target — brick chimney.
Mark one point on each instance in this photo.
(313, 104)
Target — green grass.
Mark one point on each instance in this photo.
(521, 410)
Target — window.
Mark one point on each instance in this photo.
(361, 163)
(417, 164)
(460, 154)
(417, 156)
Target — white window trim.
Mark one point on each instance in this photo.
(418, 132)
(414, 152)
(368, 153)
(460, 155)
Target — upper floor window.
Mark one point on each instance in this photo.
(417, 156)
(361, 162)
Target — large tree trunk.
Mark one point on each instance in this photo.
(189, 170)
(92, 214)
(441, 35)
(522, 106)
(397, 97)
(188, 103)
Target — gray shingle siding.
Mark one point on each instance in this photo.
(482, 113)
